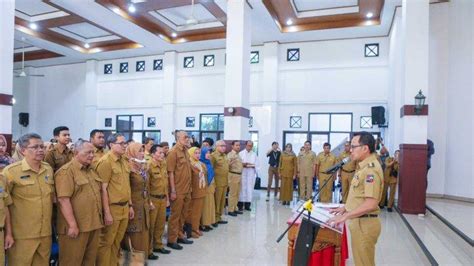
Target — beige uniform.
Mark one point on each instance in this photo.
(5, 202)
(58, 156)
(288, 168)
(158, 175)
(98, 154)
(115, 172)
(197, 202)
(347, 172)
(178, 162)
(365, 230)
(235, 179)
(221, 169)
(390, 181)
(32, 194)
(81, 185)
(324, 162)
(306, 162)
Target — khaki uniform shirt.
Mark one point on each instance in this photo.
(98, 153)
(115, 171)
(388, 177)
(5, 199)
(348, 167)
(325, 161)
(306, 162)
(32, 194)
(287, 165)
(148, 156)
(81, 185)
(198, 192)
(221, 168)
(178, 162)
(158, 178)
(57, 157)
(235, 162)
(366, 183)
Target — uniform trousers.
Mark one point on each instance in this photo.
(34, 251)
(112, 235)
(157, 223)
(219, 197)
(195, 213)
(235, 182)
(325, 194)
(364, 235)
(79, 251)
(305, 187)
(179, 209)
(346, 179)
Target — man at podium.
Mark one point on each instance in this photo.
(362, 203)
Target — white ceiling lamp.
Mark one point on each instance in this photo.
(192, 21)
(33, 26)
(369, 15)
(289, 22)
(131, 8)
(174, 34)
(87, 46)
(13, 101)
(22, 73)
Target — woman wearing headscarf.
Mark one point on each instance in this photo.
(288, 168)
(5, 158)
(209, 209)
(198, 183)
(17, 155)
(138, 227)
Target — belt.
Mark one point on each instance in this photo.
(158, 196)
(235, 173)
(348, 171)
(369, 216)
(120, 203)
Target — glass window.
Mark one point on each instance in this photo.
(296, 139)
(319, 122)
(221, 122)
(136, 122)
(341, 122)
(254, 138)
(209, 122)
(338, 138)
(123, 122)
(317, 142)
(156, 135)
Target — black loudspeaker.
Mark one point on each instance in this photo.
(378, 115)
(24, 119)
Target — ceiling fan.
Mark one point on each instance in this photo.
(22, 73)
(191, 20)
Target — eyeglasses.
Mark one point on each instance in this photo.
(356, 146)
(36, 147)
(123, 144)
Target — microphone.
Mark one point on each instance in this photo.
(336, 167)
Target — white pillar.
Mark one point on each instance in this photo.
(168, 119)
(7, 15)
(237, 78)
(90, 107)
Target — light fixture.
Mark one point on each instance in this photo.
(419, 102)
(289, 22)
(87, 46)
(131, 8)
(230, 110)
(33, 26)
(13, 101)
(369, 15)
(174, 35)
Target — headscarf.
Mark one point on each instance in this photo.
(197, 165)
(5, 159)
(207, 162)
(17, 155)
(132, 153)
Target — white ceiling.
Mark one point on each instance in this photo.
(307, 5)
(263, 30)
(33, 7)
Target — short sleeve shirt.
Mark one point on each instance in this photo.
(348, 167)
(306, 162)
(325, 161)
(115, 172)
(57, 157)
(158, 178)
(366, 183)
(221, 168)
(178, 162)
(235, 162)
(5, 199)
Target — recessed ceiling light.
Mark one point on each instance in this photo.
(173, 34)
(132, 9)
(87, 46)
(369, 15)
(13, 101)
(33, 26)
(289, 22)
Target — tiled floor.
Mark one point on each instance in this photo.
(460, 214)
(250, 239)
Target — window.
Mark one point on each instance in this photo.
(251, 122)
(365, 122)
(295, 121)
(212, 122)
(124, 67)
(372, 50)
(188, 62)
(208, 60)
(293, 54)
(131, 126)
(140, 66)
(158, 64)
(108, 69)
(254, 57)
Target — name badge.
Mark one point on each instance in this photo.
(24, 177)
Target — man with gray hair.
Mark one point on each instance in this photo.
(114, 172)
(31, 184)
(80, 215)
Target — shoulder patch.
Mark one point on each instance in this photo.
(369, 179)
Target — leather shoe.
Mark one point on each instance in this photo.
(209, 228)
(222, 222)
(215, 224)
(174, 246)
(232, 214)
(205, 229)
(184, 241)
(152, 257)
(162, 250)
(239, 212)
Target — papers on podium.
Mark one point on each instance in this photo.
(320, 214)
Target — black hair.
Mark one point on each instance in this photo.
(164, 143)
(58, 130)
(365, 138)
(113, 138)
(273, 143)
(154, 148)
(210, 141)
(327, 144)
(309, 142)
(95, 131)
(235, 141)
(148, 140)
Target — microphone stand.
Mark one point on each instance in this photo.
(307, 206)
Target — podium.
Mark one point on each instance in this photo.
(329, 247)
